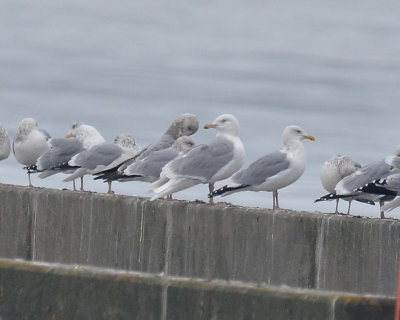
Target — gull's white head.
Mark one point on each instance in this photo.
(295, 133)
(226, 124)
(86, 134)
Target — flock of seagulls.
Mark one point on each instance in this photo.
(175, 162)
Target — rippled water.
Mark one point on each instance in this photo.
(332, 68)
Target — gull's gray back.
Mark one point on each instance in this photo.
(153, 163)
(262, 169)
(61, 151)
(375, 170)
(101, 154)
(204, 161)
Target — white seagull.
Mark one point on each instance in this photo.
(216, 161)
(29, 144)
(88, 136)
(275, 170)
(102, 157)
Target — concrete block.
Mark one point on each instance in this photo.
(191, 239)
(358, 255)
(53, 291)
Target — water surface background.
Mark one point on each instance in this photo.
(332, 68)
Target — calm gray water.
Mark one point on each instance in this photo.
(332, 68)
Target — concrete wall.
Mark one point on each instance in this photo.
(41, 291)
(178, 238)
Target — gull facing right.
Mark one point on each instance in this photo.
(275, 170)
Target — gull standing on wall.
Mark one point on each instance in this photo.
(149, 168)
(275, 170)
(185, 125)
(102, 157)
(29, 144)
(334, 170)
(88, 136)
(216, 161)
(360, 185)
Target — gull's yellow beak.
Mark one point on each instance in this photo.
(309, 137)
(209, 125)
(69, 135)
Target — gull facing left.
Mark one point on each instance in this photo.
(208, 163)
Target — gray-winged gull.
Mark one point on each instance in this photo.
(275, 170)
(29, 144)
(360, 184)
(185, 125)
(101, 157)
(216, 161)
(55, 160)
(388, 184)
(86, 134)
(148, 169)
(391, 183)
(334, 170)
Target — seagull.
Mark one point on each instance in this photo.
(334, 170)
(387, 186)
(275, 170)
(148, 169)
(360, 184)
(29, 144)
(5, 144)
(88, 136)
(208, 163)
(101, 157)
(55, 160)
(185, 125)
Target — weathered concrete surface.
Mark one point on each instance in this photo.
(298, 249)
(42, 291)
